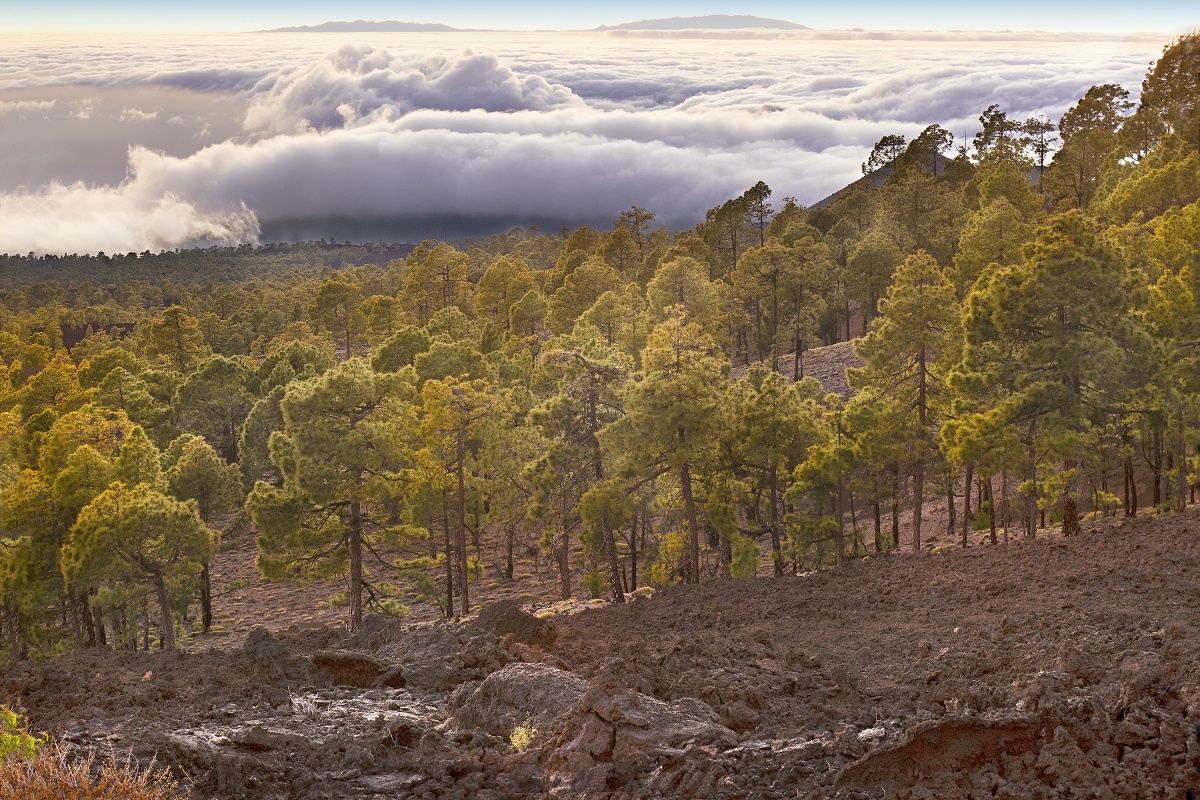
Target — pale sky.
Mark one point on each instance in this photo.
(1110, 16)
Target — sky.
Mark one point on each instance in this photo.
(116, 141)
(1112, 16)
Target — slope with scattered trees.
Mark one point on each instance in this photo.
(633, 406)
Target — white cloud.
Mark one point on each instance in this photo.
(361, 83)
(412, 135)
(83, 219)
(138, 115)
(26, 108)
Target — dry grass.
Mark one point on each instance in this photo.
(55, 775)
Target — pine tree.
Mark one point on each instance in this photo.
(673, 417)
(453, 412)
(347, 436)
(136, 535)
(905, 351)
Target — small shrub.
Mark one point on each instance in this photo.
(522, 736)
(746, 555)
(672, 560)
(596, 583)
(54, 775)
(16, 742)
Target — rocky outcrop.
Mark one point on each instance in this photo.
(506, 619)
(616, 737)
(349, 668)
(942, 748)
(536, 695)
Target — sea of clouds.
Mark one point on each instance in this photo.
(147, 144)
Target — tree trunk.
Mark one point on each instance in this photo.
(918, 503)
(101, 637)
(1156, 462)
(460, 534)
(1070, 523)
(919, 466)
(800, 361)
(85, 617)
(564, 563)
(1070, 520)
(633, 552)
(895, 506)
(991, 501)
(510, 537)
(1181, 481)
(966, 528)
(878, 526)
(854, 521)
(1130, 489)
(776, 545)
(1031, 508)
(206, 609)
(1004, 501)
(449, 559)
(951, 509)
(689, 505)
(164, 607)
(614, 566)
(841, 521)
(355, 617)
(615, 575)
(796, 354)
(775, 321)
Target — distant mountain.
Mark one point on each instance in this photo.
(707, 22)
(365, 26)
(879, 177)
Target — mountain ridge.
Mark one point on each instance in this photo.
(707, 21)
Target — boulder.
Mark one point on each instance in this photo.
(534, 694)
(270, 659)
(507, 619)
(615, 734)
(349, 668)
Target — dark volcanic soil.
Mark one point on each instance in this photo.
(1044, 669)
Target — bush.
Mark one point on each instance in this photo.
(746, 555)
(16, 742)
(522, 736)
(596, 583)
(53, 775)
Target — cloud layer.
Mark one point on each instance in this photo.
(361, 83)
(122, 219)
(233, 138)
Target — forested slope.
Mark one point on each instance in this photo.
(413, 428)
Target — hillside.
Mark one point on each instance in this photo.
(827, 364)
(1032, 670)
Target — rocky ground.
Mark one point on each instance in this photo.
(827, 364)
(1051, 668)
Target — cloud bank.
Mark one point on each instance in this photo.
(239, 138)
(83, 219)
(360, 83)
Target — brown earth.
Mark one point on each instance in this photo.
(1050, 668)
(827, 364)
